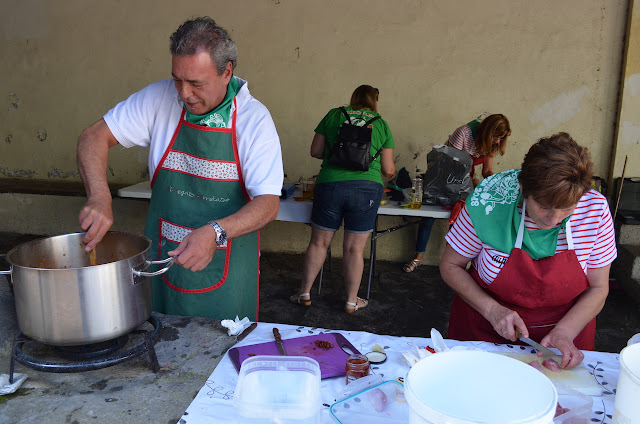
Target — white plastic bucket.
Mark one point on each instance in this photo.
(627, 403)
(464, 387)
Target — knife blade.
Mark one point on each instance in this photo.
(537, 346)
(276, 334)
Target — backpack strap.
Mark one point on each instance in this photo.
(375, 118)
(344, 111)
(366, 124)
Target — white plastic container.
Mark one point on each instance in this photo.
(279, 389)
(627, 403)
(578, 404)
(464, 387)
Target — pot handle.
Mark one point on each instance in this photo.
(2, 257)
(169, 261)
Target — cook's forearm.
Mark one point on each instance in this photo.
(251, 217)
(453, 272)
(93, 154)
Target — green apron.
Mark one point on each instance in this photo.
(199, 179)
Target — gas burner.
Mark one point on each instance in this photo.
(90, 351)
(62, 359)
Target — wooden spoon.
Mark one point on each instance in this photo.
(92, 257)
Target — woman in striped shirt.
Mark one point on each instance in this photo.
(482, 139)
(541, 243)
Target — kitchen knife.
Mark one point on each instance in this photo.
(537, 346)
(246, 331)
(276, 334)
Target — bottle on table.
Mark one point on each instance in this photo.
(416, 191)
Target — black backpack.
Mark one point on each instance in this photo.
(352, 148)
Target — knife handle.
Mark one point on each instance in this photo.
(276, 334)
(246, 332)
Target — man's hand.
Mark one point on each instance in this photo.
(197, 249)
(95, 218)
(96, 215)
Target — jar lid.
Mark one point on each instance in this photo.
(376, 357)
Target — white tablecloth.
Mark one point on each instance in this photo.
(214, 402)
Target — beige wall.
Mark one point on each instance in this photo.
(627, 139)
(549, 66)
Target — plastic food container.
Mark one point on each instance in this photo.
(381, 403)
(627, 404)
(579, 406)
(478, 387)
(278, 389)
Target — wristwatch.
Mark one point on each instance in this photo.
(221, 234)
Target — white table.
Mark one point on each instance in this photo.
(214, 402)
(292, 210)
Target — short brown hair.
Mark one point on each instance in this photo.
(493, 125)
(556, 171)
(364, 97)
(204, 34)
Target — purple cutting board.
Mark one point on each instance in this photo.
(332, 361)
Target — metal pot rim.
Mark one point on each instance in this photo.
(41, 239)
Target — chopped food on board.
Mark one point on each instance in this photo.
(551, 365)
(324, 345)
(536, 364)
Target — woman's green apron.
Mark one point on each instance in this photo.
(199, 179)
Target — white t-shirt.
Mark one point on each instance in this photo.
(150, 116)
(592, 232)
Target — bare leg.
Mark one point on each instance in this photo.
(353, 263)
(315, 256)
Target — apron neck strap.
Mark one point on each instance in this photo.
(518, 245)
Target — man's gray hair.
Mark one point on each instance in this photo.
(204, 34)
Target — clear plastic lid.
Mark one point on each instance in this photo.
(285, 387)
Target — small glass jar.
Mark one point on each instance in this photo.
(357, 366)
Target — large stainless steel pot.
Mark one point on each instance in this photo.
(62, 300)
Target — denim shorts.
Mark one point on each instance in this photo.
(355, 201)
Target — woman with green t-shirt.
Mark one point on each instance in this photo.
(346, 194)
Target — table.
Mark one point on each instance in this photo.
(214, 402)
(292, 210)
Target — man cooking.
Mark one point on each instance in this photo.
(216, 167)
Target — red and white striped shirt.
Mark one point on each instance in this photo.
(462, 139)
(592, 232)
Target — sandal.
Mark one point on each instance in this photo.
(298, 298)
(355, 305)
(411, 266)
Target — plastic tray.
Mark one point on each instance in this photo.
(580, 406)
(360, 407)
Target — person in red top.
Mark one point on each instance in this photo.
(541, 244)
(482, 139)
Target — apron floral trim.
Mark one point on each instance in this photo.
(199, 167)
